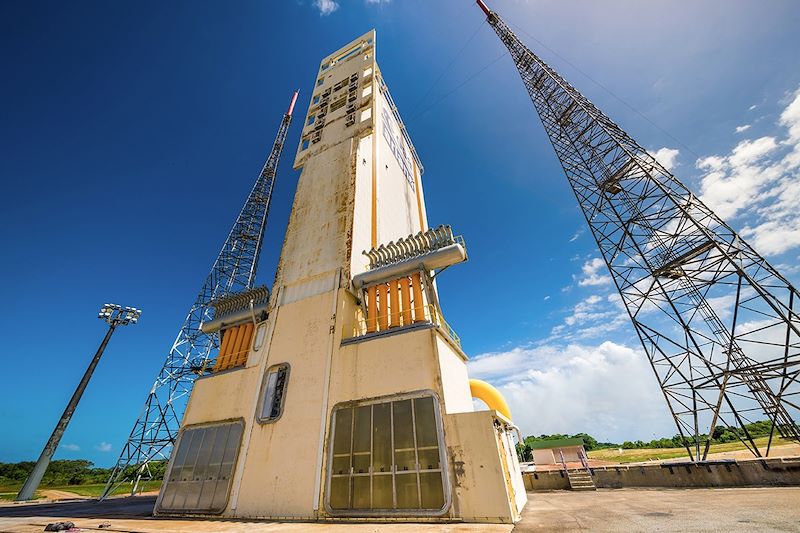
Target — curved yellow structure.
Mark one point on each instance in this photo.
(490, 396)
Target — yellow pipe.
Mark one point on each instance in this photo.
(490, 396)
(418, 189)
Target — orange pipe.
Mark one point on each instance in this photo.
(405, 294)
(383, 297)
(238, 346)
(244, 351)
(419, 303)
(226, 340)
(224, 358)
(372, 309)
(394, 304)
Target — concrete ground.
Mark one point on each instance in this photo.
(773, 509)
(769, 509)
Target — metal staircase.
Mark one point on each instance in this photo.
(580, 479)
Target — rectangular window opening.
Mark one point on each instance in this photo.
(273, 394)
(385, 458)
(200, 475)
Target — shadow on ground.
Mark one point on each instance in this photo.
(128, 507)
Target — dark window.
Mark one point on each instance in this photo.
(274, 393)
(386, 456)
(200, 476)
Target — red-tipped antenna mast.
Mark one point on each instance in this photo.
(484, 8)
(294, 100)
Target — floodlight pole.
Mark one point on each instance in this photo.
(115, 316)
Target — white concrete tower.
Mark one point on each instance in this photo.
(344, 393)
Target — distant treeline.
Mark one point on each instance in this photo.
(760, 428)
(65, 472)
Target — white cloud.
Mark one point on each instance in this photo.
(748, 152)
(585, 310)
(577, 234)
(594, 317)
(326, 7)
(591, 273)
(752, 107)
(759, 180)
(742, 128)
(711, 163)
(546, 298)
(103, 447)
(790, 118)
(667, 157)
(378, 1)
(70, 447)
(607, 390)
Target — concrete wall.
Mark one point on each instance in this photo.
(385, 365)
(455, 388)
(766, 472)
(480, 491)
(275, 478)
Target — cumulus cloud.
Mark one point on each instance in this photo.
(70, 447)
(103, 447)
(593, 273)
(326, 7)
(667, 157)
(594, 317)
(607, 390)
(760, 178)
(742, 128)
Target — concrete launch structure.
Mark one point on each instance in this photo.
(344, 394)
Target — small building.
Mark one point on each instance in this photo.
(557, 451)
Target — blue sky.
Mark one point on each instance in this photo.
(131, 134)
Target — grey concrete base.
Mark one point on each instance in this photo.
(750, 473)
(734, 510)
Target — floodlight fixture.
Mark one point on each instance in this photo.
(116, 315)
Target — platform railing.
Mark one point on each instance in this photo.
(430, 314)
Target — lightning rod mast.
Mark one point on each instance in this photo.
(193, 351)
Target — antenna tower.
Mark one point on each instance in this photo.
(718, 323)
(193, 351)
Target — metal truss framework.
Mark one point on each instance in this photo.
(719, 324)
(193, 351)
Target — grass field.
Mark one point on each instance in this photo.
(9, 492)
(657, 454)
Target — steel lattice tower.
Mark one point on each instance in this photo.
(718, 323)
(193, 351)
